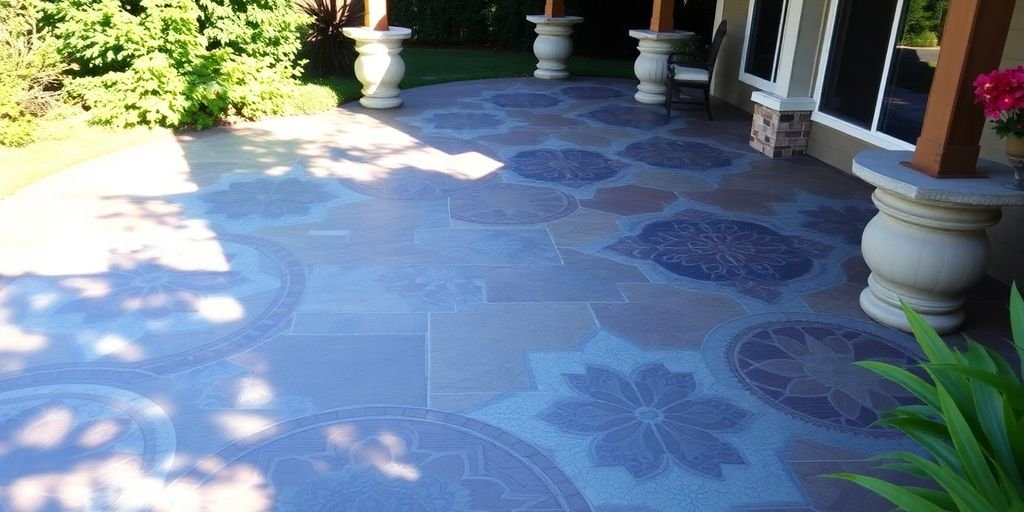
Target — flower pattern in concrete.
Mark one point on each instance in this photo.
(150, 291)
(523, 100)
(707, 247)
(649, 418)
(807, 369)
(570, 167)
(511, 203)
(678, 154)
(267, 198)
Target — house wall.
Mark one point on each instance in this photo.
(727, 85)
(838, 149)
(1007, 237)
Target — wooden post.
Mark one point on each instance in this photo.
(377, 15)
(554, 9)
(972, 43)
(661, 15)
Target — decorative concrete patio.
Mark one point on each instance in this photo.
(507, 295)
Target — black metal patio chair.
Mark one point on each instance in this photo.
(684, 73)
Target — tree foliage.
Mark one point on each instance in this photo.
(30, 72)
(180, 63)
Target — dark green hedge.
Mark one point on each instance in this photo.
(502, 23)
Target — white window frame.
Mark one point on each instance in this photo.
(780, 49)
(871, 135)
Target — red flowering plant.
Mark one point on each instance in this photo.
(1001, 94)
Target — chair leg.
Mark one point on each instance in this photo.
(707, 102)
(669, 93)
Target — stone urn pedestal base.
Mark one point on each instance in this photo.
(651, 66)
(927, 245)
(379, 66)
(553, 45)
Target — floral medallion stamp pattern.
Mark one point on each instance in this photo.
(643, 421)
(806, 369)
(510, 203)
(679, 154)
(150, 291)
(438, 286)
(523, 100)
(592, 92)
(570, 167)
(267, 198)
(847, 223)
(145, 302)
(628, 117)
(57, 437)
(400, 459)
(752, 258)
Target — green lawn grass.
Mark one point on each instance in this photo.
(72, 141)
(64, 143)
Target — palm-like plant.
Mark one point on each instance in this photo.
(329, 51)
(970, 421)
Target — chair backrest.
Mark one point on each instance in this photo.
(716, 44)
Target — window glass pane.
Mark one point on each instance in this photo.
(856, 61)
(912, 69)
(765, 27)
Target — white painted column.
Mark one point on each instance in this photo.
(553, 45)
(927, 245)
(379, 66)
(651, 66)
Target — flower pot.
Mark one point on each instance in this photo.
(1015, 154)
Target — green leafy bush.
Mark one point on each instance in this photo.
(923, 22)
(181, 63)
(970, 421)
(30, 71)
(926, 39)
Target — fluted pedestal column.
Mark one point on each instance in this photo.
(379, 66)
(650, 66)
(553, 45)
(927, 245)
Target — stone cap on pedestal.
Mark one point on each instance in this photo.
(369, 34)
(659, 36)
(560, 20)
(885, 169)
(783, 104)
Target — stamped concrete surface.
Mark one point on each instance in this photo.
(506, 295)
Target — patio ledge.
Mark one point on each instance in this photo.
(927, 245)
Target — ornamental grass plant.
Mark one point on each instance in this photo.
(970, 422)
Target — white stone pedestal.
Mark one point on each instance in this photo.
(927, 245)
(651, 66)
(553, 45)
(379, 66)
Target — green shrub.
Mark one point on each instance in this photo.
(970, 422)
(926, 39)
(312, 98)
(180, 63)
(30, 71)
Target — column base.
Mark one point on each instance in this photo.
(927, 245)
(379, 66)
(781, 126)
(553, 45)
(651, 66)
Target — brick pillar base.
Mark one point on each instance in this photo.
(780, 134)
